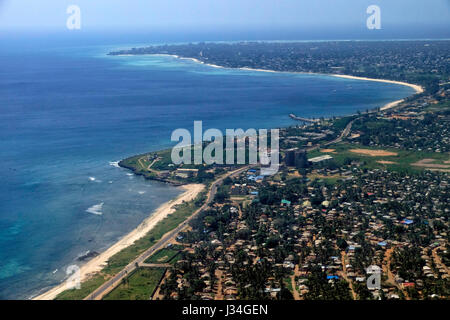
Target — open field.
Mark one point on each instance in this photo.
(138, 286)
(374, 153)
(330, 178)
(430, 163)
(386, 158)
(164, 255)
(443, 105)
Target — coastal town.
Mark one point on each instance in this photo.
(355, 197)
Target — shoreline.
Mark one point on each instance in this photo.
(417, 88)
(192, 190)
(390, 105)
(97, 263)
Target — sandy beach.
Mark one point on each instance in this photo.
(416, 87)
(100, 261)
(392, 104)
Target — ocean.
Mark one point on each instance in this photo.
(69, 112)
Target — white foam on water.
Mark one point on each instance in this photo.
(92, 178)
(141, 192)
(114, 164)
(96, 209)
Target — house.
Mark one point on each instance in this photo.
(285, 203)
(186, 173)
(408, 285)
(407, 221)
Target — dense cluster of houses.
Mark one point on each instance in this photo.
(413, 127)
(341, 229)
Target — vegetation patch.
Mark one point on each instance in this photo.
(140, 285)
(87, 287)
(402, 161)
(164, 255)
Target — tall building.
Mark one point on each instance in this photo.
(296, 157)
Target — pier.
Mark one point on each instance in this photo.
(293, 116)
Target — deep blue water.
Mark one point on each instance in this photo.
(66, 112)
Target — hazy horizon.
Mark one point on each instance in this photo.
(344, 17)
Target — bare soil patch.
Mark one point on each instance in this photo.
(374, 153)
(427, 163)
(386, 162)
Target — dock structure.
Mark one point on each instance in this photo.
(293, 116)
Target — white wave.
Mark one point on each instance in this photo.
(92, 178)
(114, 164)
(141, 192)
(96, 209)
(129, 174)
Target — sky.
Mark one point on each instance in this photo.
(216, 14)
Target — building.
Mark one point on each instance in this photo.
(295, 158)
(186, 173)
(320, 159)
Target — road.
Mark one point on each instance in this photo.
(438, 261)
(344, 260)
(343, 134)
(109, 285)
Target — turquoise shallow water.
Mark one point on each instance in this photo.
(68, 112)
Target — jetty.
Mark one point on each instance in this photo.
(293, 116)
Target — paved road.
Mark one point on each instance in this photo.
(105, 288)
(343, 134)
(109, 285)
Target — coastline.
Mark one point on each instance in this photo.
(192, 190)
(417, 88)
(99, 262)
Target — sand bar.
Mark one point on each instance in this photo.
(100, 261)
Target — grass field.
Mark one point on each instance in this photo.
(164, 255)
(87, 287)
(138, 286)
(441, 106)
(402, 161)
